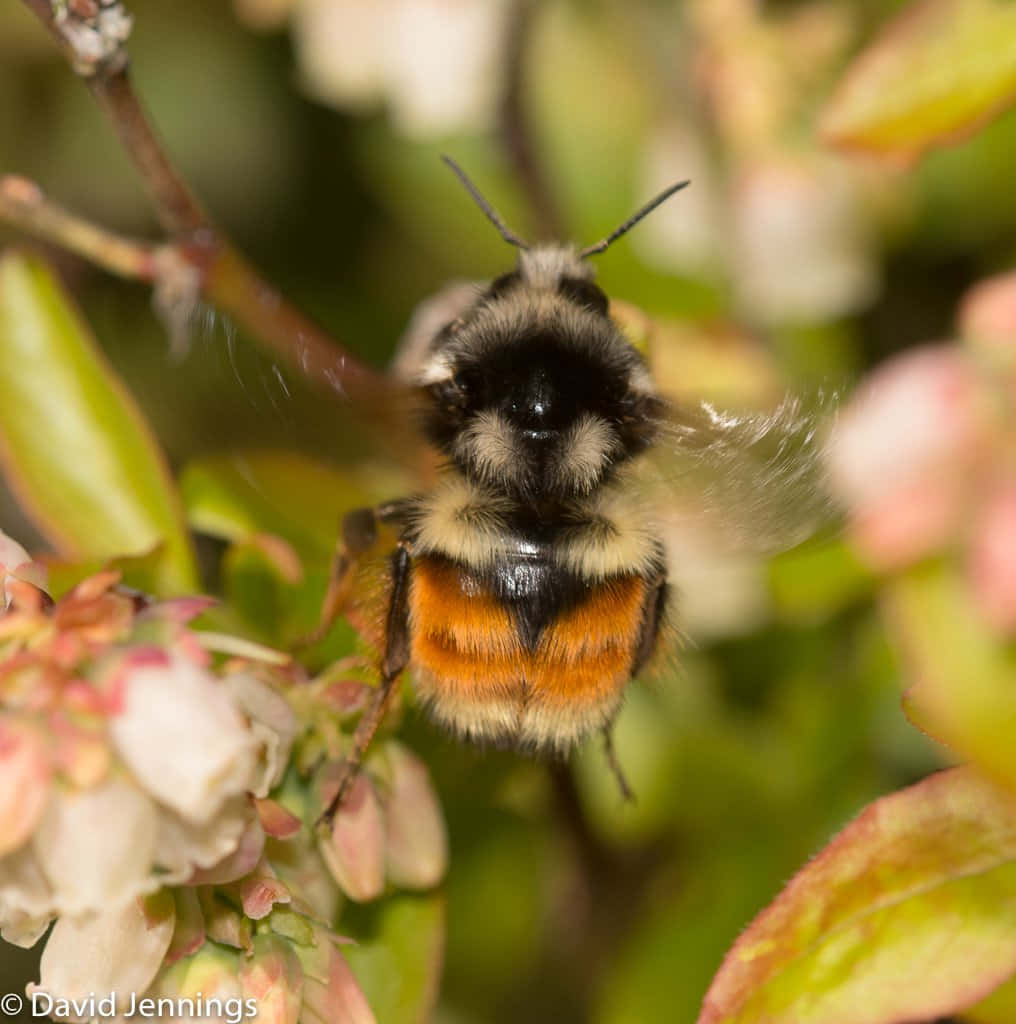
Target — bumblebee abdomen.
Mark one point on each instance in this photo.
(522, 654)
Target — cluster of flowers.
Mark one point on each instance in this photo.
(923, 455)
(158, 799)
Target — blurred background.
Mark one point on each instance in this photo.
(311, 130)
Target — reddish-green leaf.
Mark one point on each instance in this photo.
(907, 915)
(935, 73)
(73, 444)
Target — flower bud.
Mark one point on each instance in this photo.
(24, 780)
(417, 843)
(355, 848)
(211, 973)
(988, 313)
(904, 451)
(993, 558)
(331, 993)
(273, 977)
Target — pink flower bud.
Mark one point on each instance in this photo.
(273, 978)
(261, 891)
(988, 312)
(211, 973)
(25, 774)
(298, 863)
(276, 820)
(903, 454)
(417, 842)
(331, 993)
(355, 849)
(993, 559)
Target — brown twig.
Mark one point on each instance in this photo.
(516, 130)
(92, 34)
(23, 205)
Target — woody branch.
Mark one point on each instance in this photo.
(92, 35)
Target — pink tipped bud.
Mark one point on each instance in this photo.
(355, 849)
(330, 990)
(273, 978)
(988, 312)
(25, 774)
(417, 841)
(261, 891)
(993, 559)
(902, 454)
(276, 820)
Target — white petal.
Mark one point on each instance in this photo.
(114, 951)
(182, 846)
(96, 846)
(273, 725)
(12, 555)
(443, 60)
(183, 737)
(799, 247)
(341, 49)
(26, 898)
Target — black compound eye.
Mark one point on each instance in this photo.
(584, 293)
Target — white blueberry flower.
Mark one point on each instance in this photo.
(112, 952)
(436, 62)
(181, 734)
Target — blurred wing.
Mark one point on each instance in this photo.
(749, 482)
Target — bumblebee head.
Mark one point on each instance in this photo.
(535, 391)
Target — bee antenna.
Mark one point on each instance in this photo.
(592, 250)
(492, 215)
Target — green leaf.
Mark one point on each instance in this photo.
(817, 579)
(398, 958)
(73, 444)
(935, 73)
(963, 674)
(908, 914)
(281, 493)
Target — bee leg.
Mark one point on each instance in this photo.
(396, 657)
(356, 536)
(615, 765)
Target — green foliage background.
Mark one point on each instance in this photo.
(562, 904)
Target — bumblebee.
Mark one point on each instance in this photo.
(530, 584)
